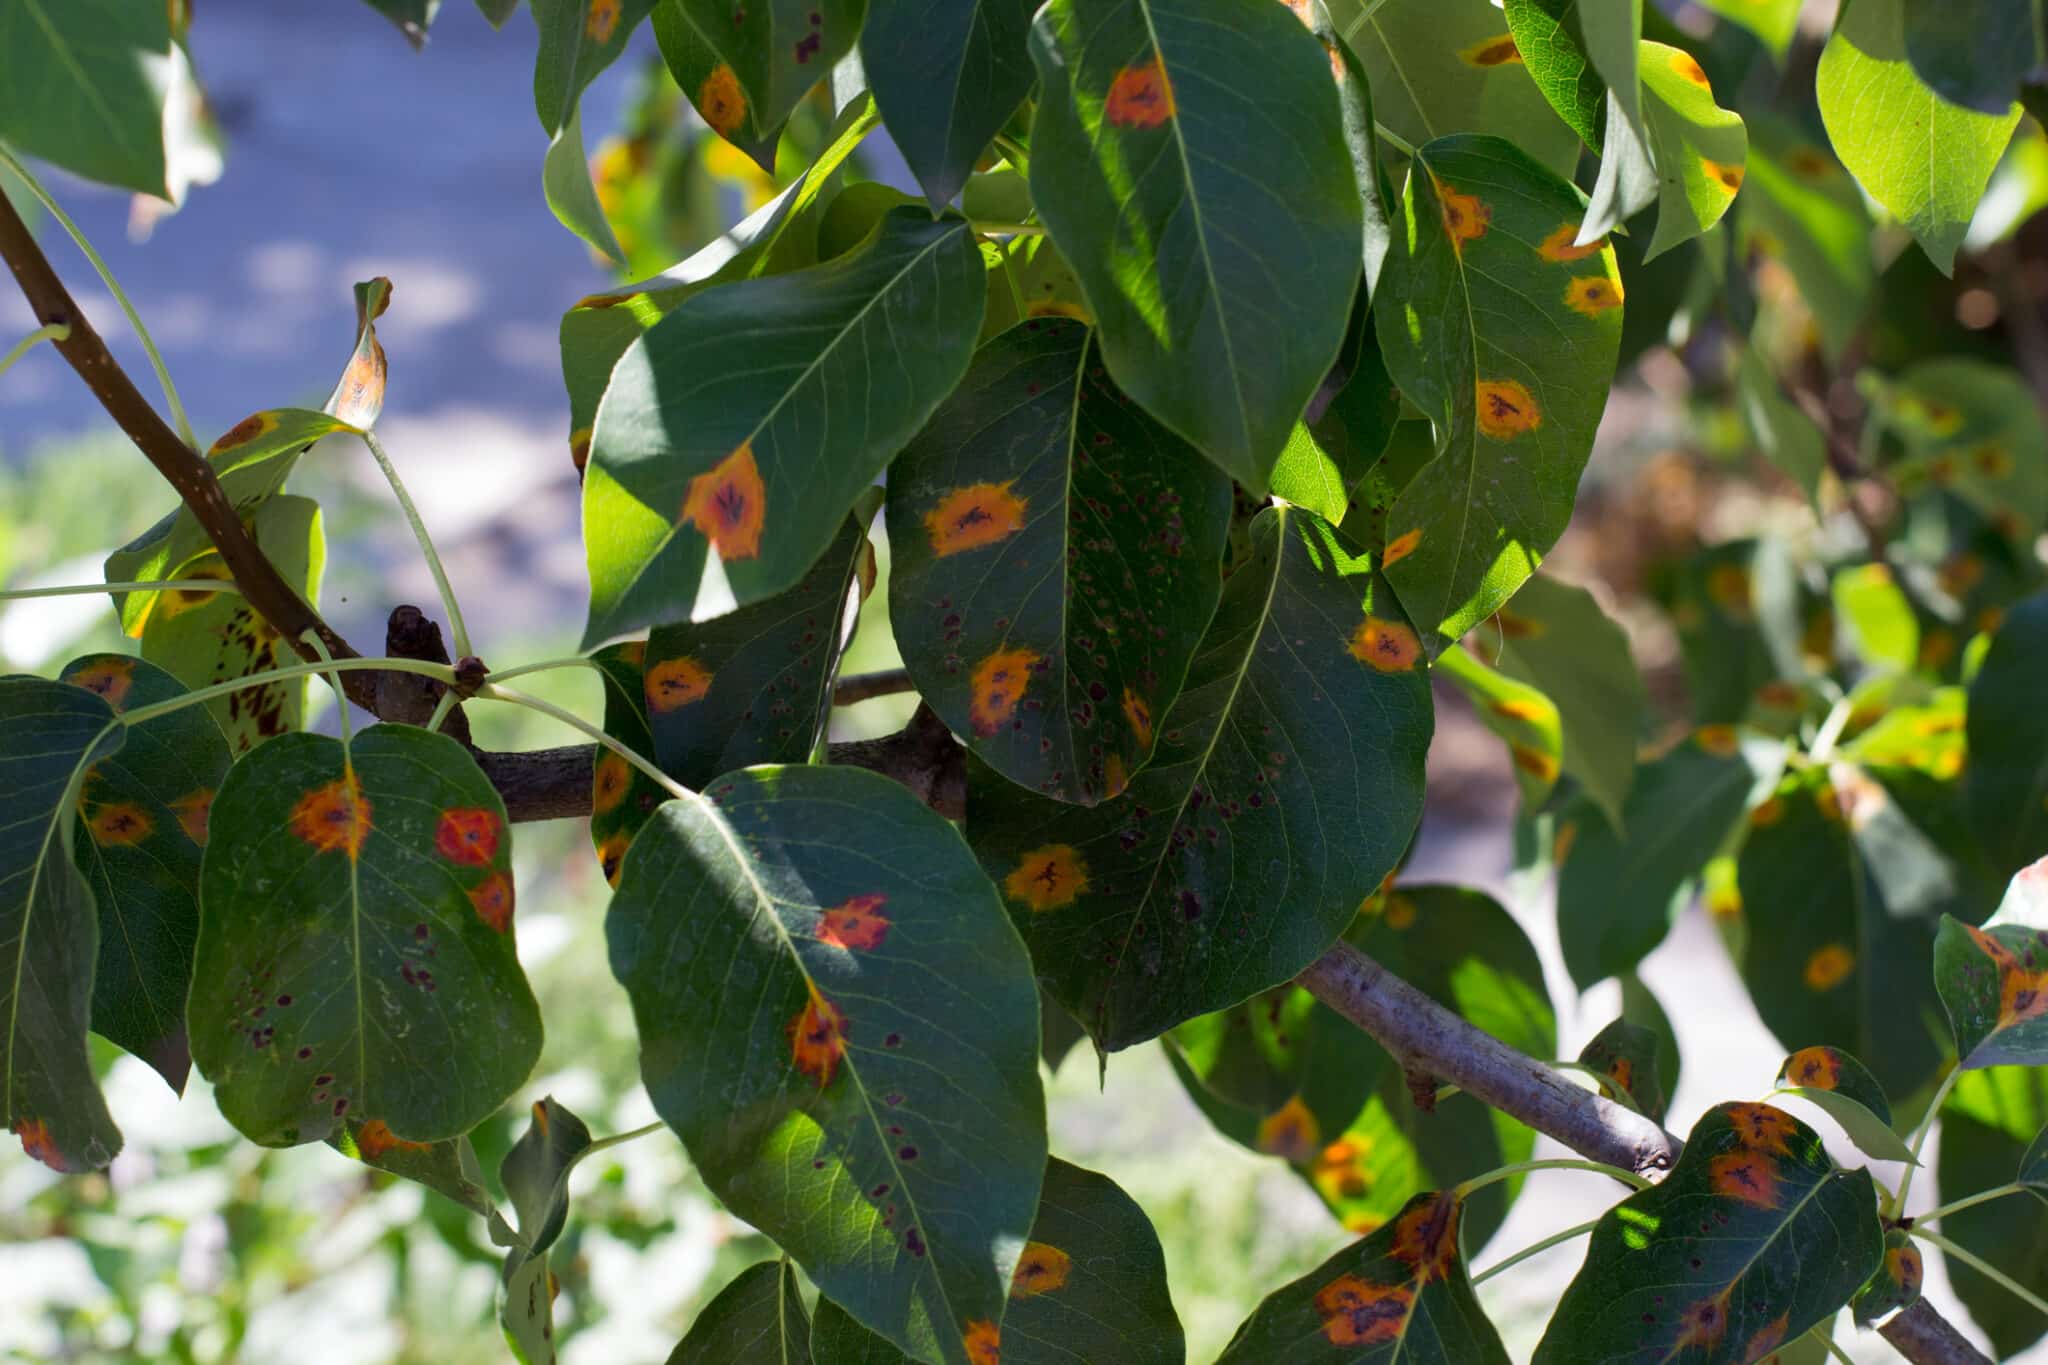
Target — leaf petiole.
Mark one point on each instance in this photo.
(1969, 1201)
(56, 331)
(1535, 1249)
(147, 585)
(493, 692)
(1982, 1267)
(426, 542)
(1559, 1163)
(142, 714)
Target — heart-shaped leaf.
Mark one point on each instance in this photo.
(774, 51)
(737, 431)
(838, 1020)
(1056, 558)
(1286, 784)
(1994, 980)
(947, 76)
(1205, 196)
(759, 1316)
(355, 955)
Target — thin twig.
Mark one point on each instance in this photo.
(861, 686)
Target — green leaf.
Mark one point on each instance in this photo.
(777, 49)
(1402, 1294)
(142, 821)
(1515, 378)
(497, 11)
(1974, 52)
(1972, 428)
(1745, 620)
(1439, 67)
(355, 952)
(1523, 717)
(1896, 1284)
(1626, 1054)
(1994, 980)
(1055, 561)
(1799, 205)
(947, 76)
(1409, 446)
(50, 733)
(755, 685)
(449, 1168)
(622, 798)
(1353, 415)
(85, 83)
(2033, 1173)
(1985, 1129)
(1840, 1087)
(1286, 783)
(565, 180)
(1222, 284)
(710, 85)
(1617, 894)
(1752, 1239)
(2006, 782)
(412, 17)
(1924, 159)
(759, 1316)
(737, 431)
(838, 1021)
(1876, 617)
(1700, 149)
(1550, 40)
(1361, 136)
(1786, 436)
(535, 1173)
(1640, 1007)
(578, 39)
(837, 1338)
(1773, 21)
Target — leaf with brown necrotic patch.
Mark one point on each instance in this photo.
(1994, 980)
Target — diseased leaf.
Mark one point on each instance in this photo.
(776, 50)
(50, 733)
(1640, 1007)
(1994, 980)
(709, 83)
(1843, 1089)
(1515, 385)
(1896, 1284)
(1353, 416)
(578, 39)
(1972, 428)
(1286, 784)
(1752, 1239)
(142, 824)
(838, 1338)
(759, 1316)
(1700, 149)
(2006, 781)
(1924, 159)
(1986, 1126)
(1746, 622)
(1205, 196)
(1525, 720)
(948, 75)
(837, 1020)
(1626, 1054)
(449, 1168)
(1056, 559)
(737, 431)
(355, 956)
(1798, 204)
(85, 83)
(535, 1173)
(622, 798)
(1402, 1294)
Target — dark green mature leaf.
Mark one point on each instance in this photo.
(412, 17)
(1994, 980)
(1843, 1089)
(1974, 52)
(838, 1021)
(1896, 1283)
(355, 953)
(837, 1338)
(947, 74)
(738, 430)
(758, 1317)
(497, 11)
(449, 1168)
(50, 733)
(710, 85)
(1626, 1054)
(85, 83)
(1752, 1239)
(1986, 1126)
(578, 39)
(1618, 892)
(1786, 436)
(1972, 428)
(1361, 136)
(1550, 40)
(1515, 378)
(1402, 1294)
(775, 50)
(1056, 559)
(622, 798)
(1923, 158)
(1204, 193)
(1286, 784)
(1522, 716)
(1640, 1007)
(535, 1173)
(142, 821)
(2033, 1172)
(1353, 416)
(2006, 782)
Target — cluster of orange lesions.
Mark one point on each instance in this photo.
(1290, 1132)
(1339, 1173)
(2022, 976)
(977, 515)
(728, 504)
(1047, 878)
(334, 817)
(675, 683)
(996, 687)
(817, 1037)
(37, 1142)
(1388, 646)
(1042, 1269)
(1815, 1068)
(856, 924)
(1358, 1312)
(610, 779)
(1748, 1172)
(1490, 52)
(1140, 95)
(375, 1141)
(721, 101)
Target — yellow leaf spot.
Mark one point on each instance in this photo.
(1140, 96)
(721, 102)
(241, 433)
(1290, 1131)
(1465, 216)
(996, 686)
(1559, 245)
(1400, 547)
(1339, 1170)
(1718, 740)
(1535, 710)
(1592, 295)
(1725, 901)
(611, 857)
(175, 602)
(1499, 51)
(1506, 409)
(1138, 715)
(601, 19)
(728, 504)
(1538, 764)
(1828, 967)
(609, 782)
(1727, 177)
(1689, 70)
(1042, 1269)
(1388, 646)
(675, 683)
(1047, 878)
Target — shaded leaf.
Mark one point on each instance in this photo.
(50, 733)
(1640, 1007)
(1205, 196)
(1799, 205)
(789, 941)
(838, 1339)
(565, 181)
(710, 85)
(1353, 421)
(1772, 21)
(1986, 1127)
(2034, 1165)
(1752, 1239)
(1055, 562)
(412, 17)
(1029, 278)
(1403, 1293)
(535, 1173)
(1515, 386)
(2006, 781)
(1896, 1284)
(1843, 1089)
(1974, 52)
(1972, 428)
(142, 824)
(1626, 1054)
(622, 798)
(758, 1316)
(449, 1167)
(355, 954)
(85, 82)
(1746, 621)
(1287, 782)
(947, 76)
(1786, 436)
(578, 39)
(1994, 980)
(776, 50)
(737, 431)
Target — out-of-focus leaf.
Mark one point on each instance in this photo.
(535, 1174)
(412, 17)
(758, 1317)
(1773, 21)
(1786, 436)
(1799, 205)
(1876, 618)
(2006, 782)
(1746, 621)
(1986, 1126)
(85, 83)
(948, 74)
(1972, 428)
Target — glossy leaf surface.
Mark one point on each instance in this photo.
(948, 74)
(1056, 559)
(759, 1316)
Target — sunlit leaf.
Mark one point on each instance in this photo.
(1875, 617)
(1700, 149)
(1523, 717)
(1550, 41)
(947, 74)
(759, 1316)
(1773, 21)
(578, 39)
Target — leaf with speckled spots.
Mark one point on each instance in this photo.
(355, 954)
(142, 826)
(1195, 172)
(1401, 1294)
(736, 433)
(1754, 1237)
(1896, 1284)
(1514, 385)
(757, 1317)
(1994, 980)
(948, 75)
(776, 50)
(1056, 558)
(839, 1021)
(710, 85)
(622, 797)
(1286, 783)
(50, 733)
(1986, 1126)
(1972, 429)
(2006, 781)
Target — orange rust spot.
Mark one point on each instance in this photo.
(1040, 1270)
(1539, 765)
(1993, 460)
(997, 684)
(1138, 714)
(110, 677)
(1702, 1324)
(1115, 777)
(1531, 709)
(1718, 740)
(1290, 1131)
(1688, 69)
(1592, 295)
(1724, 902)
(1748, 1176)
(1506, 409)
(1828, 802)
(817, 1038)
(1763, 1128)
(1768, 812)
(1828, 967)
(1400, 911)
(192, 811)
(37, 1142)
(1903, 1266)
(611, 856)
(1622, 1072)
(721, 101)
(1388, 646)
(1400, 547)
(1780, 696)
(1816, 1068)
(1499, 51)
(1989, 620)
(1767, 1338)
(984, 1341)
(1426, 1238)
(855, 923)
(1338, 1171)
(1515, 627)
(1559, 245)
(2022, 993)
(1728, 587)
(609, 783)
(1960, 572)
(675, 683)
(1047, 878)
(1140, 97)
(1356, 1312)
(1809, 164)
(1465, 216)
(729, 504)
(468, 835)
(241, 433)
(601, 19)
(335, 817)
(971, 517)
(1561, 846)
(1727, 177)
(492, 899)
(375, 1138)
(120, 824)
